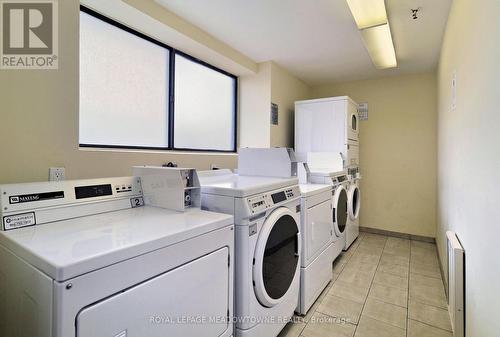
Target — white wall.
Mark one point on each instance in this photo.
(39, 122)
(285, 90)
(397, 151)
(271, 84)
(468, 155)
(155, 20)
(39, 109)
(255, 105)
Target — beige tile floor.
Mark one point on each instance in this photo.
(382, 287)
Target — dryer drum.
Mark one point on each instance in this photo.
(280, 257)
(354, 202)
(340, 211)
(277, 257)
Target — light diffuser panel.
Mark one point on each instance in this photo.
(368, 13)
(378, 41)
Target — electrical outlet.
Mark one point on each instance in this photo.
(57, 173)
(214, 167)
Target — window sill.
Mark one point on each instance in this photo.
(168, 152)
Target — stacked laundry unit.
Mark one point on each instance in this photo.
(326, 136)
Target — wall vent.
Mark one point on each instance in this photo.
(456, 284)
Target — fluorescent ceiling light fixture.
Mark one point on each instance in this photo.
(371, 19)
(378, 41)
(368, 13)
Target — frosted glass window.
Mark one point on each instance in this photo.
(123, 87)
(204, 108)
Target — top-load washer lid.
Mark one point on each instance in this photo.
(327, 176)
(68, 248)
(308, 190)
(325, 161)
(326, 172)
(230, 184)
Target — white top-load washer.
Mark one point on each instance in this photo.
(327, 167)
(267, 246)
(317, 243)
(315, 222)
(330, 125)
(340, 184)
(89, 258)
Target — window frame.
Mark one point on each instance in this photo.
(172, 103)
(171, 91)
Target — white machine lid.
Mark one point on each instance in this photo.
(321, 161)
(327, 99)
(326, 172)
(234, 185)
(307, 190)
(68, 248)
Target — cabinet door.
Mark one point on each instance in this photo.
(320, 127)
(180, 302)
(319, 229)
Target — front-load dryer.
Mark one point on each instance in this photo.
(91, 258)
(267, 246)
(340, 183)
(315, 222)
(353, 206)
(317, 243)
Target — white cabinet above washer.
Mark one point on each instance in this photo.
(325, 125)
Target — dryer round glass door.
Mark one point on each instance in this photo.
(276, 256)
(354, 202)
(354, 122)
(339, 212)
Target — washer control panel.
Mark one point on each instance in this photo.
(339, 179)
(29, 204)
(353, 172)
(262, 202)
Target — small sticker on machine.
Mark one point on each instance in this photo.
(19, 220)
(137, 202)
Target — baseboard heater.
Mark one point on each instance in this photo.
(456, 284)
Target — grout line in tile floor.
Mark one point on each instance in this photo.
(301, 330)
(371, 283)
(397, 254)
(430, 326)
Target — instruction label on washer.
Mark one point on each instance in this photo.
(19, 220)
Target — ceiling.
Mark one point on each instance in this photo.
(317, 40)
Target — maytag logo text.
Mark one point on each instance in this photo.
(29, 38)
